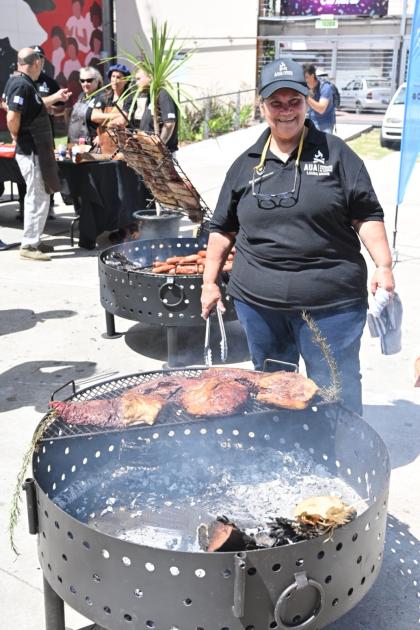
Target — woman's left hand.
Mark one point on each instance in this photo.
(384, 278)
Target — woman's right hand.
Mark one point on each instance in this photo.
(211, 297)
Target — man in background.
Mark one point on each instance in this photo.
(30, 128)
(320, 100)
(167, 112)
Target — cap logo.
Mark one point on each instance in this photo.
(283, 70)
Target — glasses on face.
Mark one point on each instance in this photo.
(86, 80)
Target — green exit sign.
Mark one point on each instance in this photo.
(326, 22)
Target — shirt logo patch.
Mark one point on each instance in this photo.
(319, 158)
(18, 100)
(318, 166)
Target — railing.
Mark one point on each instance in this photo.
(211, 99)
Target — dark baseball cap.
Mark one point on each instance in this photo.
(282, 73)
(39, 50)
(119, 67)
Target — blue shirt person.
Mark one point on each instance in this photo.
(320, 101)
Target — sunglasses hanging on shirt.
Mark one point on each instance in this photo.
(272, 200)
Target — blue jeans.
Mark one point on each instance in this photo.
(285, 336)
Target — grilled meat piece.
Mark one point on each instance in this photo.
(213, 396)
(165, 386)
(289, 390)
(249, 377)
(101, 413)
(127, 410)
(139, 409)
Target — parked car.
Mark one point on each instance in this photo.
(393, 121)
(366, 93)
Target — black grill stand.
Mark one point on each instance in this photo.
(171, 339)
(110, 327)
(154, 299)
(54, 609)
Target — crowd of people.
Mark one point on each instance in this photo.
(31, 98)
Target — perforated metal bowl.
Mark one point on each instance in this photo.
(122, 585)
(151, 298)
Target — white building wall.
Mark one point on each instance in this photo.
(223, 32)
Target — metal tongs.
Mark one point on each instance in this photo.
(208, 358)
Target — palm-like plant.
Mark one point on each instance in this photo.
(165, 59)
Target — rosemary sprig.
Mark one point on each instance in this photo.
(16, 504)
(332, 392)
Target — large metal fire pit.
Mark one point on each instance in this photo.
(157, 299)
(122, 585)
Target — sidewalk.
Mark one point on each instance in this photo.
(51, 323)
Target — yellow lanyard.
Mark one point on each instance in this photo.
(261, 165)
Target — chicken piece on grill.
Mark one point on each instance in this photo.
(213, 396)
(139, 409)
(289, 390)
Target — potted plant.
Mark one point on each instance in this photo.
(160, 64)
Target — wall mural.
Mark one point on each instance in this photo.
(69, 31)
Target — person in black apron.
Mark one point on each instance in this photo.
(29, 125)
(47, 86)
(87, 113)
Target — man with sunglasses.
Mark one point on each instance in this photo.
(296, 206)
(30, 128)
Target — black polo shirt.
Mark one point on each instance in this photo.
(46, 85)
(168, 112)
(301, 252)
(22, 96)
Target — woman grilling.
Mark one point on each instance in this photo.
(296, 206)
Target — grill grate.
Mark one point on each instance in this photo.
(171, 414)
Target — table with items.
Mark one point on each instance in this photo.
(104, 193)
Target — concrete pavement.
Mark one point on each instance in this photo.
(51, 323)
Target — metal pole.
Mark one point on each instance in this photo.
(394, 240)
(29, 488)
(172, 345)
(238, 111)
(54, 609)
(109, 41)
(206, 119)
(110, 327)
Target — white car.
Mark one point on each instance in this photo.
(393, 121)
(365, 93)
